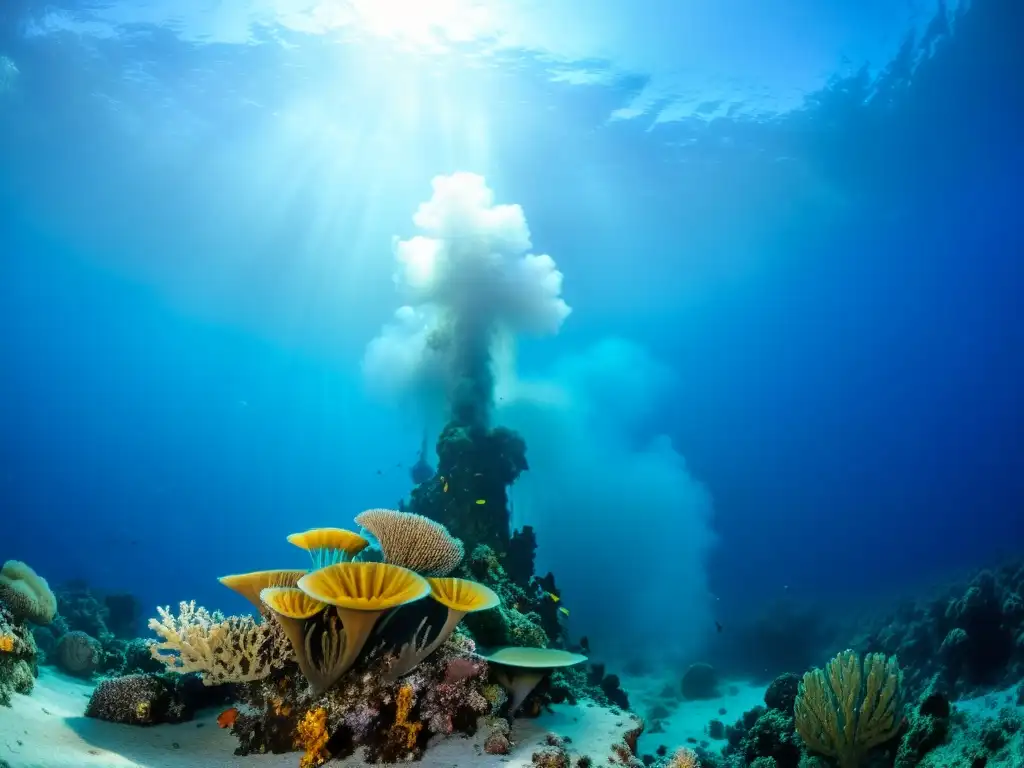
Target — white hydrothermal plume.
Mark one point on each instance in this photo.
(467, 279)
(619, 518)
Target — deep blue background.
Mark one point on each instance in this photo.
(854, 406)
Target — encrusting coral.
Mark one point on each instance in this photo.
(312, 737)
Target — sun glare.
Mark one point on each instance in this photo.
(424, 24)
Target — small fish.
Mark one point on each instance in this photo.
(445, 489)
(718, 626)
(554, 598)
(585, 644)
(227, 718)
(478, 474)
(481, 501)
(564, 611)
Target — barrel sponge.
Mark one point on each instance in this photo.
(26, 593)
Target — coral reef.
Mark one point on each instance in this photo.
(17, 658)
(100, 629)
(392, 720)
(103, 616)
(970, 636)
(24, 597)
(355, 654)
(469, 493)
(520, 619)
(967, 640)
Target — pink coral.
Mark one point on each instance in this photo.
(461, 668)
(498, 740)
(447, 700)
(360, 719)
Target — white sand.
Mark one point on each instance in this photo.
(47, 730)
(688, 719)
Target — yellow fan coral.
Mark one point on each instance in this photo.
(328, 546)
(460, 597)
(249, 585)
(413, 541)
(316, 638)
(358, 595)
(849, 707)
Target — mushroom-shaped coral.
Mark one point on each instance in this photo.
(520, 670)
(328, 546)
(296, 612)
(26, 593)
(359, 594)
(413, 541)
(249, 585)
(460, 597)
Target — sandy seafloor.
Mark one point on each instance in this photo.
(686, 724)
(47, 730)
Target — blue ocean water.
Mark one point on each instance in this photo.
(788, 232)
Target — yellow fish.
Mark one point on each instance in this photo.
(564, 611)
(554, 598)
(481, 501)
(446, 486)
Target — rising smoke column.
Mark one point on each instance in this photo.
(468, 280)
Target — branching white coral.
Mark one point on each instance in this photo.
(233, 649)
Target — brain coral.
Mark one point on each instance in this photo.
(26, 593)
(78, 653)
